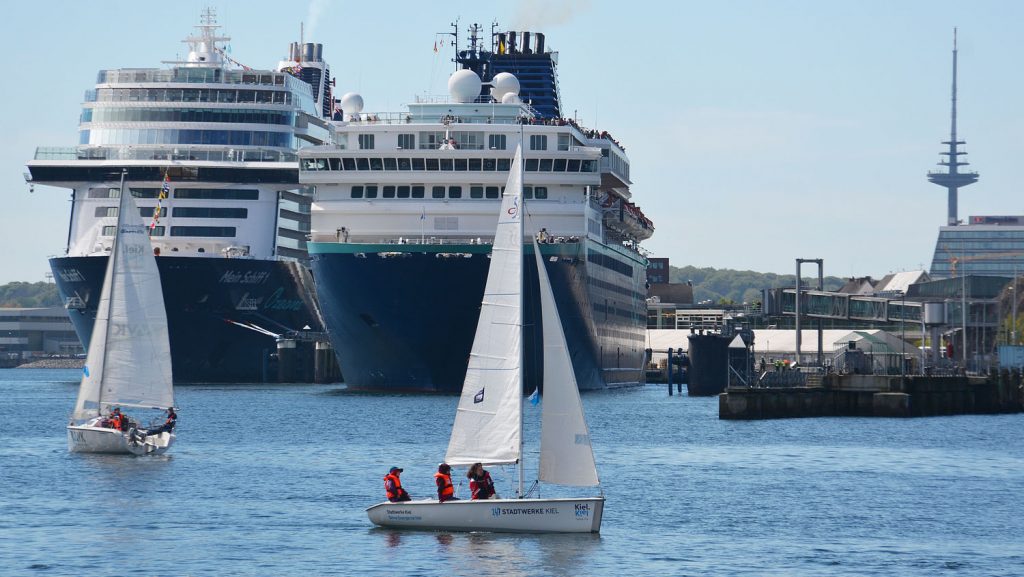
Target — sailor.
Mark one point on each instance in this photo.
(480, 483)
(393, 486)
(443, 479)
(115, 419)
(168, 426)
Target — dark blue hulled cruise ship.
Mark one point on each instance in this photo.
(221, 140)
(405, 210)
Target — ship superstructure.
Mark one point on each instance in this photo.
(403, 220)
(209, 146)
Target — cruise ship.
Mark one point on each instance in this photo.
(209, 146)
(405, 209)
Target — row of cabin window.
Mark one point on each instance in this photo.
(467, 140)
(189, 95)
(181, 211)
(371, 190)
(449, 164)
(190, 193)
(200, 231)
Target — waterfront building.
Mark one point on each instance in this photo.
(26, 332)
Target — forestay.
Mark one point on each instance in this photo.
(488, 426)
(129, 360)
(566, 457)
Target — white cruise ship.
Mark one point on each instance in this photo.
(405, 210)
(220, 139)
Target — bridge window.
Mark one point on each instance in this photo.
(371, 191)
(496, 142)
(476, 192)
(217, 231)
(454, 192)
(357, 192)
(366, 141)
(407, 141)
(388, 192)
(538, 142)
(417, 191)
(437, 192)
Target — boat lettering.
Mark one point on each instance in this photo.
(70, 275)
(583, 510)
(77, 436)
(248, 277)
(402, 515)
(276, 303)
(248, 303)
(499, 511)
(129, 330)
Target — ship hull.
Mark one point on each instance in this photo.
(403, 318)
(204, 297)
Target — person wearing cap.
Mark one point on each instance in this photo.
(168, 426)
(443, 478)
(480, 483)
(393, 486)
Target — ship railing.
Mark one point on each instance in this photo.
(177, 153)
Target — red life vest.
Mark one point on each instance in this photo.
(392, 491)
(445, 489)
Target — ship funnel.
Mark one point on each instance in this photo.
(319, 53)
(308, 50)
(512, 42)
(293, 52)
(502, 47)
(540, 43)
(526, 43)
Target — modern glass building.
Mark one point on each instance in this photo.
(987, 246)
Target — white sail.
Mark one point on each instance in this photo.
(566, 457)
(129, 361)
(488, 427)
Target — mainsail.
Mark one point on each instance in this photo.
(566, 457)
(488, 427)
(129, 360)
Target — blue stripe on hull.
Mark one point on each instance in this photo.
(200, 295)
(406, 320)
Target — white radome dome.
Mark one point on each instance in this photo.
(352, 103)
(511, 98)
(504, 83)
(464, 86)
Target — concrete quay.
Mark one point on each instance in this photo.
(878, 396)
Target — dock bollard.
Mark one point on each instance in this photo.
(668, 371)
(679, 385)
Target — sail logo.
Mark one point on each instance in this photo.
(496, 511)
(514, 209)
(127, 330)
(479, 397)
(582, 510)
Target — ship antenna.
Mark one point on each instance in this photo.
(952, 180)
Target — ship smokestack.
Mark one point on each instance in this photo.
(501, 42)
(307, 52)
(526, 43)
(318, 53)
(512, 42)
(540, 42)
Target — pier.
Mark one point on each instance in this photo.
(878, 396)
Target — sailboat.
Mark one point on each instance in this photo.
(129, 360)
(488, 424)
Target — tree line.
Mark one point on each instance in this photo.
(29, 295)
(728, 286)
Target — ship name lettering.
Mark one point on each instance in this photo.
(249, 277)
(275, 302)
(70, 275)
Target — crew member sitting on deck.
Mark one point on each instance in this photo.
(480, 483)
(168, 426)
(443, 478)
(393, 486)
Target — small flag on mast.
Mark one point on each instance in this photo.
(435, 46)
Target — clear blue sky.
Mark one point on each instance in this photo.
(758, 131)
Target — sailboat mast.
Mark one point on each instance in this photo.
(522, 281)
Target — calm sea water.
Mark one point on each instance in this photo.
(273, 480)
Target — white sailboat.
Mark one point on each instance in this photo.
(489, 421)
(129, 360)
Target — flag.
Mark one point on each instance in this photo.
(423, 213)
(535, 396)
(435, 46)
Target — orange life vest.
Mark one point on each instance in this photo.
(445, 490)
(115, 422)
(395, 490)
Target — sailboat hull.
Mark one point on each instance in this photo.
(92, 439)
(581, 515)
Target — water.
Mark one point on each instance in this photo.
(272, 480)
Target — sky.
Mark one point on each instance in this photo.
(758, 132)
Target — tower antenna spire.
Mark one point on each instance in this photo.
(952, 180)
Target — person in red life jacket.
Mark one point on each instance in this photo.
(443, 479)
(393, 486)
(480, 483)
(114, 419)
